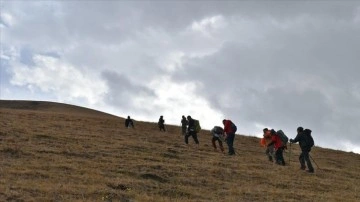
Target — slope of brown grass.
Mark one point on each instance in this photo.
(57, 152)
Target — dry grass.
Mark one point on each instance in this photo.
(57, 152)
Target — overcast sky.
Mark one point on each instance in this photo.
(278, 64)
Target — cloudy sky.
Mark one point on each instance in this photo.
(278, 64)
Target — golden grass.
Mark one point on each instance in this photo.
(57, 152)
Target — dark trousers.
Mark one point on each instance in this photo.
(214, 139)
(183, 130)
(304, 157)
(162, 127)
(279, 156)
(230, 142)
(193, 134)
(270, 152)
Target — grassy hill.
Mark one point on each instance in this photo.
(58, 152)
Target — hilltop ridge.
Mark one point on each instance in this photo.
(52, 152)
(48, 106)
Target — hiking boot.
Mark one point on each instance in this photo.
(310, 171)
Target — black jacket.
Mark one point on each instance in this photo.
(191, 126)
(303, 140)
(129, 122)
(161, 121)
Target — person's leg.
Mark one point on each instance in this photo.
(221, 145)
(194, 135)
(282, 160)
(213, 142)
(184, 130)
(277, 156)
(230, 142)
(272, 153)
(302, 161)
(308, 162)
(187, 138)
(267, 152)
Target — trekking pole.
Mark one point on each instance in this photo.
(315, 162)
(290, 153)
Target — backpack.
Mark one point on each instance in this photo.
(309, 139)
(282, 136)
(197, 125)
(218, 130)
(233, 127)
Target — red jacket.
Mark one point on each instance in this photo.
(227, 127)
(277, 141)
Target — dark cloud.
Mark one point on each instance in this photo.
(286, 80)
(122, 92)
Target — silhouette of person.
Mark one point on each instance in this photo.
(129, 123)
(229, 130)
(303, 137)
(184, 124)
(217, 133)
(191, 131)
(161, 124)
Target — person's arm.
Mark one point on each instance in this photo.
(297, 138)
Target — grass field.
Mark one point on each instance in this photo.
(58, 152)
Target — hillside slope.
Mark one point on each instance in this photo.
(68, 153)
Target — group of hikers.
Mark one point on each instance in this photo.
(190, 127)
(274, 141)
(129, 123)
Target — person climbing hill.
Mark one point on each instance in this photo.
(229, 130)
(278, 146)
(217, 134)
(184, 124)
(265, 141)
(305, 142)
(161, 124)
(191, 131)
(129, 123)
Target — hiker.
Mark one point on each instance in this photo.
(229, 131)
(184, 124)
(217, 133)
(129, 123)
(161, 124)
(305, 142)
(191, 131)
(278, 147)
(265, 141)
